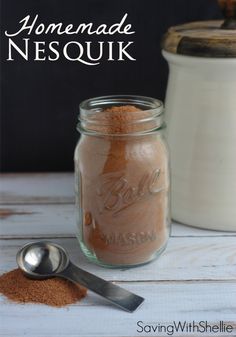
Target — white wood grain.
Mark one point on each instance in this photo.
(193, 280)
(32, 221)
(165, 302)
(184, 259)
(36, 188)
(58, 220)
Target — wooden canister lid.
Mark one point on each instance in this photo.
(205, 38)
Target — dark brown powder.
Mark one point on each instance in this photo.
(54, 291)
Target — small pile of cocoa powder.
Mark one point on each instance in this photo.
(55, 292)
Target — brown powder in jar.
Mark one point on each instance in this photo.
(55, 292)
(121, 119)
(125, 216)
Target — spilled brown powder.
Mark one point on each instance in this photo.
(55, 292)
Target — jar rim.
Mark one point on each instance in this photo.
(141, 124)
(150, 102)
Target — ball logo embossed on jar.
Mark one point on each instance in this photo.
(117, 194)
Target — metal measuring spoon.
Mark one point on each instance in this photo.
(45, 259)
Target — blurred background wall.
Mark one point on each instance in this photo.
(39, 100)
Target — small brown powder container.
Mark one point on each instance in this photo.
(122, 180)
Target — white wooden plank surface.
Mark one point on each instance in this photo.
(58, 220)
(193, 280)
(32, 221)
(94, 317)
(37, 188)
(184, 259)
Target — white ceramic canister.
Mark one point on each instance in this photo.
(201, 120)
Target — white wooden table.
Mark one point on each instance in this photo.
(195, 278)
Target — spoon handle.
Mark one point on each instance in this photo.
(113, 293)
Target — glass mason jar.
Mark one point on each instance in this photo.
(122, 180)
